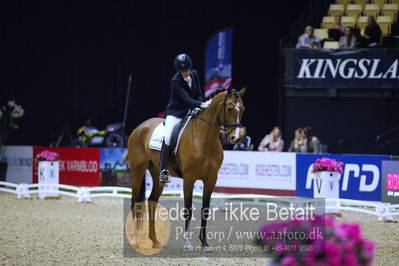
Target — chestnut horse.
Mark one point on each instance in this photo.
(199, 156)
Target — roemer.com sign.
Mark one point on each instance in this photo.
(258, 172)
(364, 68)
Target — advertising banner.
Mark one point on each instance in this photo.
(271, 173)
(361, 178)
(78, 166)
(20, 164)
(218, 61)
(175, 185)
(390, 181)
(113, 170)
(321, 68)
(248, 173)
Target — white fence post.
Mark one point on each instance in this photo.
(84, 195)
(23, 191)
(384, 212)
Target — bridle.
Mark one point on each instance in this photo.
(225, 125)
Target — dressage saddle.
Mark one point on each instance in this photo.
(176, 132)
(179, 127)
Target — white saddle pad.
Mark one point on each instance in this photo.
(157, 136)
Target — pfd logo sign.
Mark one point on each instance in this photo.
(354, 171)
(360, 180)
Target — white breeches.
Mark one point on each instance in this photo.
(170, 123)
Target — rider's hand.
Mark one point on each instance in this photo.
(206, 104)
(196, 111)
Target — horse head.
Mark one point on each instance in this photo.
(230, 113)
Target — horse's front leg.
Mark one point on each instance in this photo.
(206, 199)
(188, 212)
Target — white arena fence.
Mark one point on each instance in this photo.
(384, 211)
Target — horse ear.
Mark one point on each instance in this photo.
(242, 91)
(229, 90)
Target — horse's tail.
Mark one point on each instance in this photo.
(141, 193)
(125, 158)
(138, 157)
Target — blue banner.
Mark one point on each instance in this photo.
(218, 61)
(360, 180)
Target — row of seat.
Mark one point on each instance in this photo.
(364, 2)
(356, 10)
(331, 45)
(359, 22)
(323, 33)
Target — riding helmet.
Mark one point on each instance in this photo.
(183, 63)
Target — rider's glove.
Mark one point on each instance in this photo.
(206, 104)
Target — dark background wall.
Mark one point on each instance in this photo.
(356, 121)
(69, 60)
(65, 61)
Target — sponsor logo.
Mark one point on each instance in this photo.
(221, 48)
(234, 169)
(19, 161)
(273, 170)
(181, 57)
(354, 171)
(347, 69)
(79, 166)
(393, 182)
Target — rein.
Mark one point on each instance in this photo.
(211, 124)
(225, 125)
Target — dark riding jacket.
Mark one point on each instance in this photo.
(183, 97)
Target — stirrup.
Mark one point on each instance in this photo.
(164, 177)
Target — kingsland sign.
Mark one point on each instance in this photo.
(347, 69)
(356, 68)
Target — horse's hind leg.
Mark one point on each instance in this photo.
(138, 197)
(138, 173)
(152, 204)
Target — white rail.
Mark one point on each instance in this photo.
(384, 211)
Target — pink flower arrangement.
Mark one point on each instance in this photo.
(327, 164)
(335, 244)
(47, 156)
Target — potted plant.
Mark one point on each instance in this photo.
(9, 115)
(336, 244)
(326, 180)
(48, 172)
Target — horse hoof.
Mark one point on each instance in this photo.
(189, 248)
(157, 246)
(207, 249)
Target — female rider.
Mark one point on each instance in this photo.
(185, 95)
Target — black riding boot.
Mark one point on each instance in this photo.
(164, 176)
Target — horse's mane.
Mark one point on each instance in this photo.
(218, 92)
(213, 95)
